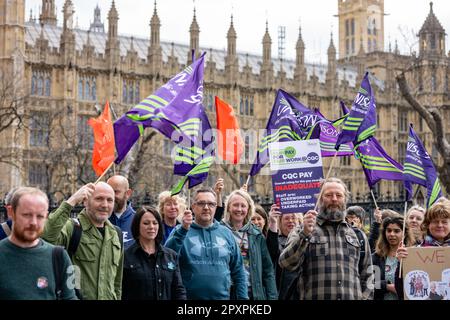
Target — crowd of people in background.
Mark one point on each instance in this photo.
(210, 247)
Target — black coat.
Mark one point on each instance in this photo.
(137, 281)
(380, 284)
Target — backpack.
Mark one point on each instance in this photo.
(292, 290)
(74, 242)
(6, 228)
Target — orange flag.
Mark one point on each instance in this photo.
(103, 153)
(230, 145)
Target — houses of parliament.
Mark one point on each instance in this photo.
(55, 76)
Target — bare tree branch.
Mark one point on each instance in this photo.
(406, 93)
(231, 173)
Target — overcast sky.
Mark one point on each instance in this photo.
(404, 19)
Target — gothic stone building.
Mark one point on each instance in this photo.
(61, 75)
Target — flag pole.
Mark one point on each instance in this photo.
(328, 175)
(403, 236)
(373, 198)
(248, 180)
(104, 172)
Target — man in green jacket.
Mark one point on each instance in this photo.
(99, 255)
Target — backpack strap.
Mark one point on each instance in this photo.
(362, 242)
(6, 228)
(57, 262)
(74, 238)
(120, 234)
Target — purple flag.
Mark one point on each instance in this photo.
(326, 132)
(171, 110)
(288, 121)
(362, 120)
(419, 169)
(376, 163)
(344, 108)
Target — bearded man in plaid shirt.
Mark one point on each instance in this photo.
(325, 250)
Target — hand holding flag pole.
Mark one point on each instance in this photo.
(328, 175)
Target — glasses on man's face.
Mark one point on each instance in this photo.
(203, 204)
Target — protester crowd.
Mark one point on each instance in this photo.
(210, 247)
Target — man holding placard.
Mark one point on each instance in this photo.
(325, 250)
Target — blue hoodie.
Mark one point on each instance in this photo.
(209, 260)
(124, 223)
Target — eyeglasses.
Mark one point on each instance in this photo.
(204, 204)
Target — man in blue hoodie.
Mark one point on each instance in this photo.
(209, 257)
(123, 211)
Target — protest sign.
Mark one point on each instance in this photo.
(296, 168)
(426, 274)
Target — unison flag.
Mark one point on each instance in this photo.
(376, 163)
(230, 145)
(283, 125)
(103, 152)
(362, 120)
(419, 169)
(171, 110)
(325, 130)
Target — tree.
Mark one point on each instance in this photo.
(434, 120)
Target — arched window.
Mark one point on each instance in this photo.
(137, 96)
(80, 89)
(252, 111)
(247, 110)
(87, 93)
(40, 86)
(94, 90)
(130, 93)
(47, 86)
(124, 92)
(432, 41)
(33, 84)
(241, 106)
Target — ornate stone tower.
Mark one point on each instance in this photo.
(360, 20)
(432, 37)
(48, 13)
(194, 32)
(12, 87)
(97, 25)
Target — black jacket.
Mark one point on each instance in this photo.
(137, 281)
(380, 283)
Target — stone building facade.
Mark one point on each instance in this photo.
(62, 75)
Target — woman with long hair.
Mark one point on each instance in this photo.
(239, 208)
(414, 220)
(261, 219)
(384, 258)
(150, 271)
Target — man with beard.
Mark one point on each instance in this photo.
(26, 268)
(99, 255)
(325, 250)
(123, 211)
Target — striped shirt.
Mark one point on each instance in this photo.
(329, 259)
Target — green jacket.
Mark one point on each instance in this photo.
(100, 259)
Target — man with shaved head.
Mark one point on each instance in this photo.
(123, 211)
(99, 255)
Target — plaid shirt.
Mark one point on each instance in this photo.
(329, 260)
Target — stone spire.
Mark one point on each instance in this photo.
(194, 31)
(48, 13)
(300, 69)
(97, 25)
(155, 50)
